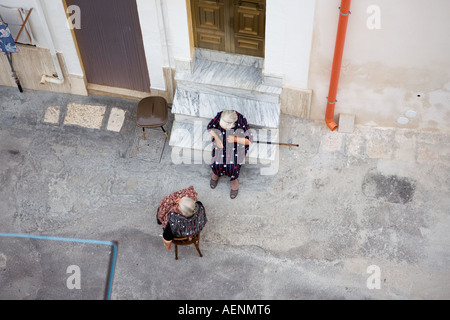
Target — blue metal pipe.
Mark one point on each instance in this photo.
(109, 243)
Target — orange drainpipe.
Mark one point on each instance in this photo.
(344, 12)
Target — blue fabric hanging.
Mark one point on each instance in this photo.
(8, 46)
(7, 43)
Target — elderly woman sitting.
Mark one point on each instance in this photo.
(181, 216)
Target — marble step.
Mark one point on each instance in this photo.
(228, 74)
(207, 105)
(192, 136)
(228, 79)
(226, 57)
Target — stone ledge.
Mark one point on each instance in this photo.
(203, 105)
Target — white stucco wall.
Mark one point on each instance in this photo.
(386, 71)
(153, 38)
(165, 35)
(34, 19)
(60, 33)
(177, 24)
(289, 25)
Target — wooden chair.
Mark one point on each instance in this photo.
(195, 239)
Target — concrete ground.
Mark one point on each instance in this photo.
(362, 215)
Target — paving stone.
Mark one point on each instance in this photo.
(116, 119)
(332, 141)
(427, 155)
(346, 123)
(405, 146)
(52, 114)
(89, 116)
(379, 145)
(355, 145)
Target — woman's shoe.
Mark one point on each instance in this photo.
(213, 183)
(234, 193)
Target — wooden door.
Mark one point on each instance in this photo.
(230, 25)
(110, 44)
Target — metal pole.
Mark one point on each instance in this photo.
(344, 11)
(14, 75)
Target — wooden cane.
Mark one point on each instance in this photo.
(278, 143)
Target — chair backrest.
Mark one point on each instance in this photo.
(186, 240)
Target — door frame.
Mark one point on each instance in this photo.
(74, 38)
(101, 89)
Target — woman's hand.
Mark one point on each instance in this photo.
(236, 139)
(217, 140)
(219, 143)
(231, 139)
(167, 244)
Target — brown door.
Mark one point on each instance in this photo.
(230, 25)
(110, 44)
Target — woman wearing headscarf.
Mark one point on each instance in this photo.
(170, 203)
(231, 140)
(181, 215)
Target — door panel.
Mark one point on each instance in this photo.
(209, 17)
(248, 46)
(229, 25)
(249, 27)
(110, 44)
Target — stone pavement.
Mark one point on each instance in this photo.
(362, 215)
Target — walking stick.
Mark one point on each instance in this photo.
(278, 143)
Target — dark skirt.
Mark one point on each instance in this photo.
(230, 170)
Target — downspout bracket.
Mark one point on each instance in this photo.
(331, 102)
(344, 14)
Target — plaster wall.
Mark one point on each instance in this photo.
(153, 37)
(289, 26)
(57, 23)
(389, 70)
(165, 35)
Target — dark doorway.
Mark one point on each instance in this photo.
(110, 44)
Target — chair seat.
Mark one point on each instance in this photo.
(194, 239)
(151, 112)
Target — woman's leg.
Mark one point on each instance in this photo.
(214, 177)
(234, 174)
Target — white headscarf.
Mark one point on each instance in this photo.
(187, 206)
(228, 119)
